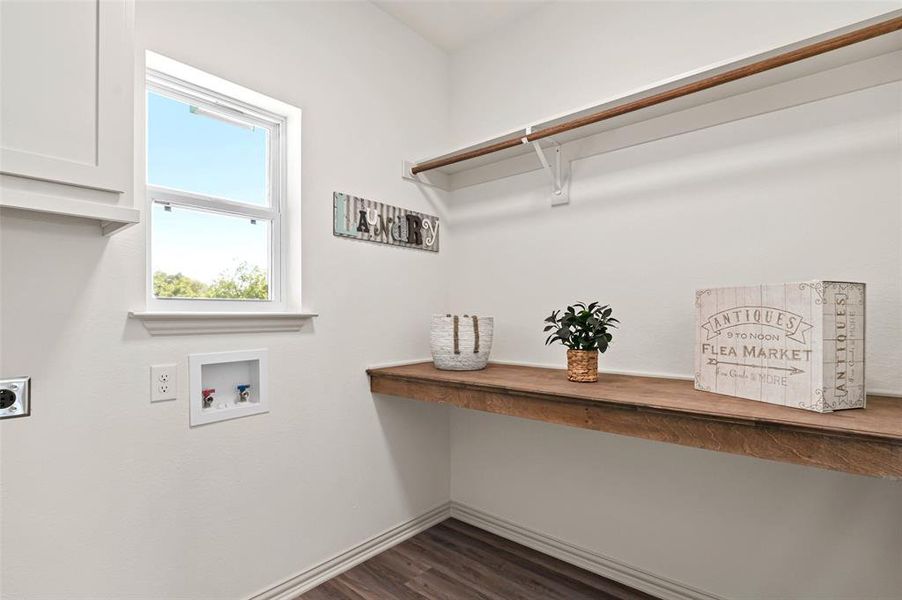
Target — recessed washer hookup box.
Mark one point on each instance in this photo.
(794, 344)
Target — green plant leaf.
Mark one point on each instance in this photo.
(581, 326)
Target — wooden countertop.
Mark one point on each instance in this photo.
(862, 441)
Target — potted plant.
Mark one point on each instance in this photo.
(583, 329)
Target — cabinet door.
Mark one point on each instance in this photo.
(66, 93)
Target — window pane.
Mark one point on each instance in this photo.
(198, 254)
(190, 150)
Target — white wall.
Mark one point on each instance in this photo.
(802, 193)
(107, 496)
(572, 54)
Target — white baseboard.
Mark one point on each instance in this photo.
(340, 563)
(634, 577)
(661, 587)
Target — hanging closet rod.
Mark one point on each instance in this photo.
(766, 64)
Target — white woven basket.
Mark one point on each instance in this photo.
(461, 342)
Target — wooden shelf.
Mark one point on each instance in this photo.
(862, 441)
(837, 70)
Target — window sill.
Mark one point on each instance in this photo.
(188, 323)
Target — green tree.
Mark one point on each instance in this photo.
(244, 282)
(166, 285)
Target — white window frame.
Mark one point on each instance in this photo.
(228, 108)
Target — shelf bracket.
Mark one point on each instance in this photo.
(560, 180)
(433, 180)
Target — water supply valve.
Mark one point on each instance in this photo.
(209, 397)
(243, 392)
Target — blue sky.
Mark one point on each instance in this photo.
(200, 154)
(203, 245)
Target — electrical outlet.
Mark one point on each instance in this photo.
(15, 397)
(163, 383)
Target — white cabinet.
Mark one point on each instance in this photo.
(66, 108)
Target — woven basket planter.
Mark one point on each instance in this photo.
(582, 365)
(461, 343)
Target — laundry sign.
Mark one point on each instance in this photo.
(796, 344)
(373, 221)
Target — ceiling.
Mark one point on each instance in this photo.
(451, 24)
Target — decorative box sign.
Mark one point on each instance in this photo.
(373, 221)
(795, 344)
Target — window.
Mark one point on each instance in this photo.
(215, 192)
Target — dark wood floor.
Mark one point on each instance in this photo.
(455, 561)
